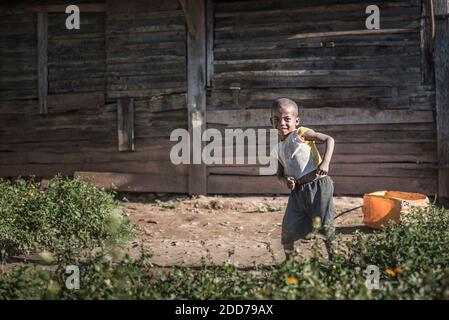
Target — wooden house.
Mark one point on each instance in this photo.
(102, 100)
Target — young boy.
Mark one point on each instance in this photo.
(305, 173)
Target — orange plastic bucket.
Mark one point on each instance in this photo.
(383, 206)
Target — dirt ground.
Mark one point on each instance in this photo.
(246, 230)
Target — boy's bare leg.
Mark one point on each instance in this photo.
(288, 250)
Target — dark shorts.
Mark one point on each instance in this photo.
(307, 202)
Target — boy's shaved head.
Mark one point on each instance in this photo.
(286, 103)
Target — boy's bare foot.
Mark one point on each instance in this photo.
(288, 254)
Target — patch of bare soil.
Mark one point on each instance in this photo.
(246, 230)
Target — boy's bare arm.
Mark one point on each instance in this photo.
(280, 173)
(290, 181)
(311, 135)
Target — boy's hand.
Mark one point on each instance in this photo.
(323, 169)
(291, 183)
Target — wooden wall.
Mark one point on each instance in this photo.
(146, 61)
(119, 52)
(372, 91)
(366, 90)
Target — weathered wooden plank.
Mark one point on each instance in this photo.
(253, 74)
(314, 16)
(42, 68)
(73, 161)
(396, 39)
(196, 90)
(311, 14)
(148, 149)
(137, 182)
(152, 88)
(411, 79)
(148, 47)
(361, 185)
(314, 54)
(414, 97)
(143, 80)
(142, 17)
(342, 158)
(307, 30)
(321, 116)
(248, 9)
(148, 37)
(15, 95)
(366, 62)
(30, 134)
(300, 94)
(345, 169)
(60, 73)
(18, 107)
(136, 6)
(228, 184)
(366, 135)
(442, 98)
(147, 50)
(145, 23)
(145, 93)
(56, 121)
(162, 103)
(125, 124)
(85, 85)
(60, 8)
(83, 102)
(425, 150)
(87, 154)
(63, 146)
(91, 25)
(130, 68)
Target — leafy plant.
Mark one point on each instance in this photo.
(166, 204)
(69, 216)
(412, 258)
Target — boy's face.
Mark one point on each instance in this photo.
(285, 120)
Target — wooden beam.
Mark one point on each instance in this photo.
(136, 182)
(125, 124)
(441, 53)
(210, 9)
(189, 19)
(349, 33)
(42, 67)
(425, 45)
(196, 90)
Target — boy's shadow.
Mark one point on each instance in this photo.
(353, 229)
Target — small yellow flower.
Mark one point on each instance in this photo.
(398, 270)
(292, 281)
(390, 272)
(30, 194)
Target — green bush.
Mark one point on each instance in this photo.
(69, 216)
(412, 257)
